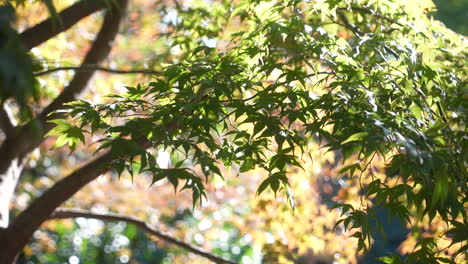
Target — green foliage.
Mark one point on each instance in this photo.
(68, 134)
(366, 78)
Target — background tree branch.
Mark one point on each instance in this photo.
(98, 52)
(49, 28)
(91, 68)
(62, 213)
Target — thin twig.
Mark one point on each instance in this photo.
(62, 213)
(85, 68)
(373, 13)
(361, 187)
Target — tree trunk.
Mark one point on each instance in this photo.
(17, 145)
(8, 180)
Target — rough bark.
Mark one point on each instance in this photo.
(143, 226)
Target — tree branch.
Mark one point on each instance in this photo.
(5, 122)
(98, 52)
(29, 136)
(28, 221)
(95, 68)
(49, 28)
(62, 213)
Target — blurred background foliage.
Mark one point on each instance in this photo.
(231, 223)
(454, 14)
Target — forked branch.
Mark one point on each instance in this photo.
(98, 52)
